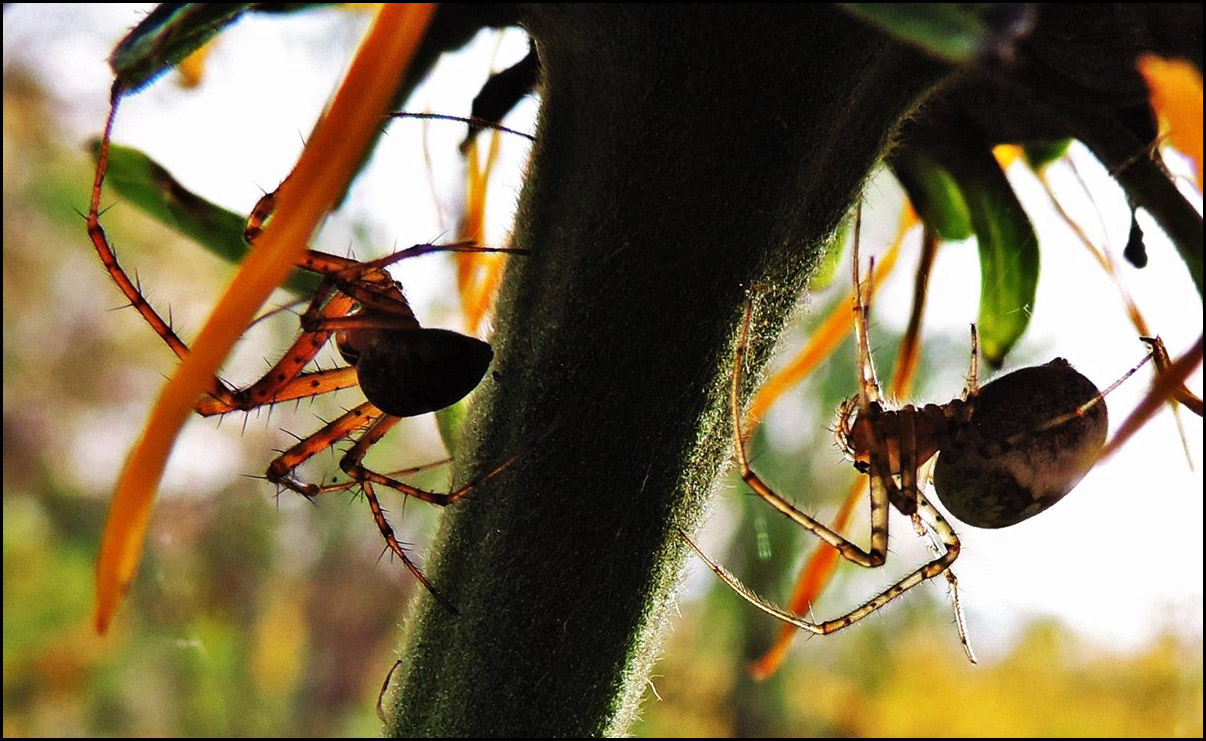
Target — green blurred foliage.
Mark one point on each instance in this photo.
(899, 680)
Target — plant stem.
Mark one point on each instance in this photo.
(685, 155)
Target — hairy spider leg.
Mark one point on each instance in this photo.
(346, 284)
(394, 546)
(868, 386)
(220, 396)
(883, 491)
(850, 551)
(907, 496)
(919, 526)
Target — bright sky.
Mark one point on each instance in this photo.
(1118, 559)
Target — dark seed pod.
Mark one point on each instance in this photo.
(1135, 251)
(414, 371)
(1006, 465)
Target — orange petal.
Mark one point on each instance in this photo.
(1176, 87)
(322, 173)
(1006, 154)
(478, 273)
(827, 335)
(191, 71)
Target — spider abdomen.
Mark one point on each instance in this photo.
(408, 372)
(1031, 437)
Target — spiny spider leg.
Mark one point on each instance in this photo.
(375, 424)
(220, 396)
(402, 368)
(388, 533)
(280, 471)
(378, 423)
(286, 380)
(348, 282)
(108, 257)
(352, 465)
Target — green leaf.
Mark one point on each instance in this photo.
(450, 421)
(145, 183)
(831, 259)
(1041, 154)
(1009, 257)
(954, 32)
(171, 32)
(165, 37)
(934, 194)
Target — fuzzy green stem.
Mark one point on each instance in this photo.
(685, 154)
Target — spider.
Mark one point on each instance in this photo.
(402, 368)
(995, 466)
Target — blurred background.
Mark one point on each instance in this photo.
(259, 615)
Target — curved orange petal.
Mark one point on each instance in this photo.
(478, 273)
(320, 177)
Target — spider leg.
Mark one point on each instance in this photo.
(282, 382)
(285, 381)
(108, 257)
(358, 321)
(1163, 363)
(879, 507)
(353, 465)
(973, 371)
(883, 486)
(304, 386)
(868, 386)
(369, 283)
(919, 526)
(388, 533)
(280, 471)
(347, 282)
(259, 214)
(1081, 410)
(884, 490)
(880, 481)
(364, 417)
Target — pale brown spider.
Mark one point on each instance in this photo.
(1005, 452)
